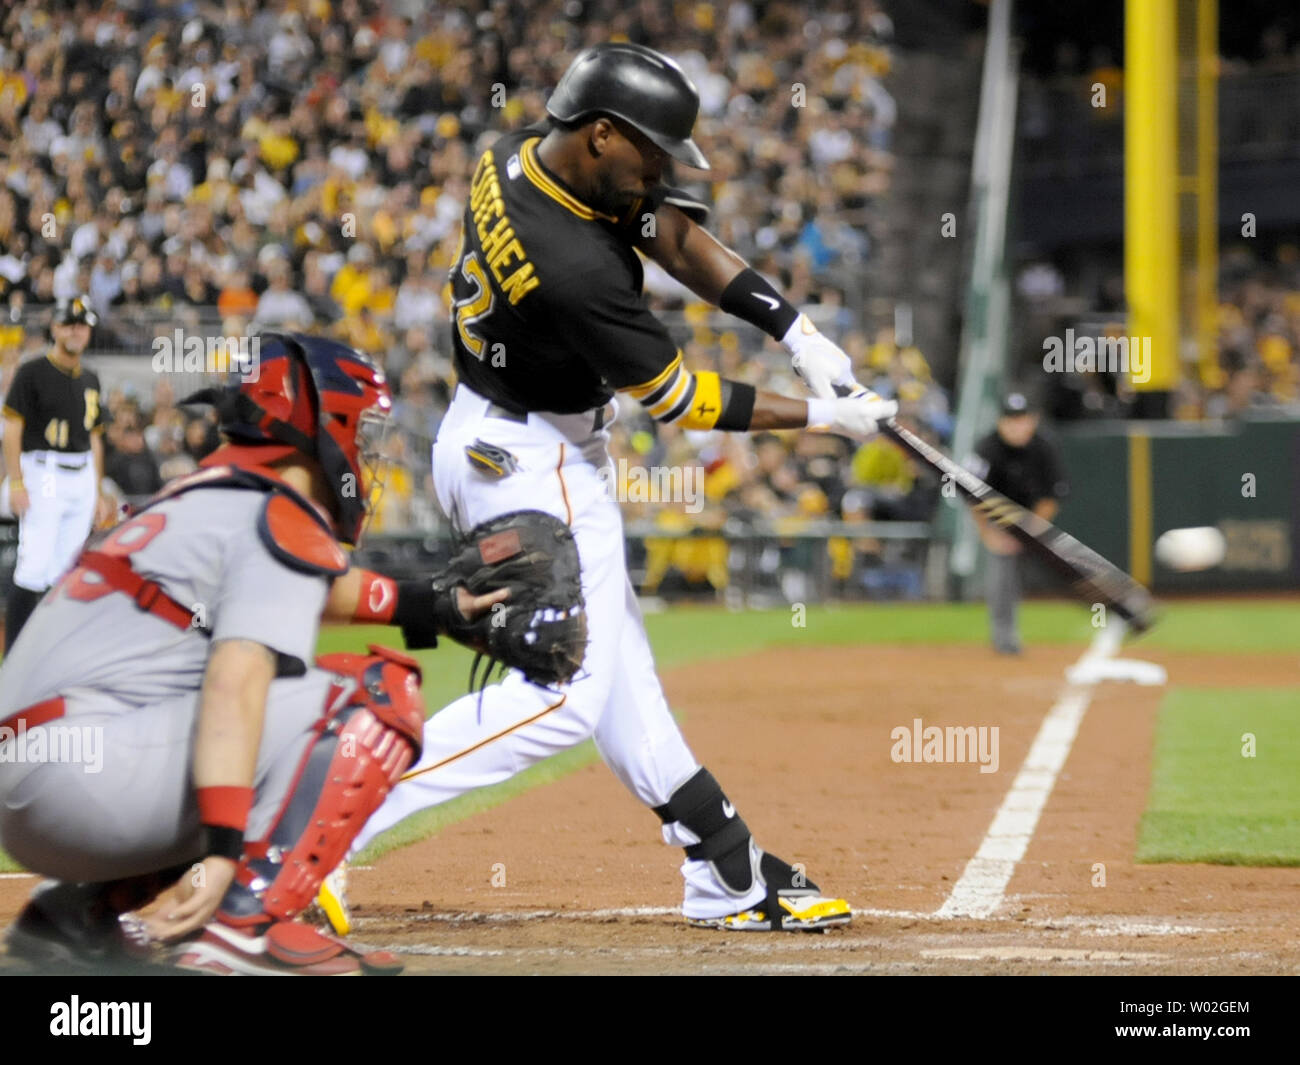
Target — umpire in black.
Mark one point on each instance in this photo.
(1022, 464)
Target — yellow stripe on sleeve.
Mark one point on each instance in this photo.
(673, 396)
(641, 391)
(706, 407)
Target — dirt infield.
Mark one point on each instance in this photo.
(572, 877)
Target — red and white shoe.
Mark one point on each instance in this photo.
(285, 948)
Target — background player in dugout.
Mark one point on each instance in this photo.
(1025, 466)
(550, 322)
(54, 461)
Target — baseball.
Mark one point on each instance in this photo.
(1189, 550)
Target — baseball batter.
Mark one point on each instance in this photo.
(54, 460)
(223, 756)
(549, 323)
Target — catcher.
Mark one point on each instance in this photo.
(226, 764)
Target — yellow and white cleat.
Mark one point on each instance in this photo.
(332, 900)
(798, 913)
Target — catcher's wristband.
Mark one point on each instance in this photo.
(377, 599)
(749, 297)
(425, 609)
(223, 813)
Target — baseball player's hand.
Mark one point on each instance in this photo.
(19, 500)
(854, 415)
(194, 900)
(471, 606)
(105, 511)
(817, 359)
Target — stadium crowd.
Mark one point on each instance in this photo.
(1254, 363)
(233, 166)
(1253, 366)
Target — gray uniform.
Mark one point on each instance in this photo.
(125, 805)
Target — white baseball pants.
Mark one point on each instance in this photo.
(54, 529)
(615, 699)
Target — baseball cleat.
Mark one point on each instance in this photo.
(804, 913)
(332, 900)
(284, 949)
(66, 925)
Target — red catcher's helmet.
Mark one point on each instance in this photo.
(321, 398)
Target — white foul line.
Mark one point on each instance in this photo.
(983, 883)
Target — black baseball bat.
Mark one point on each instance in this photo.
(1091, 577)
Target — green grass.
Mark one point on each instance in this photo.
(684, 635)
(1209, 803)
(429, 822)
(1227, 626)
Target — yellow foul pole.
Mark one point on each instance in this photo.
(1207, 182)
(1151, 187)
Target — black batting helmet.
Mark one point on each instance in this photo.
(638, 85)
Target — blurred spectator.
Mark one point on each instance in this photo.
(130, 465)
(321, 182)
(280, 307)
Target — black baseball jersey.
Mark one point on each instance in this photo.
(59, 408)
(548, 313)
(1025, 475)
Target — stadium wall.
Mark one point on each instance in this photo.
(1131, 482)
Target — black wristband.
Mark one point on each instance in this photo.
(416, 613)
(737, 406)
(222, 841)
(752, 299)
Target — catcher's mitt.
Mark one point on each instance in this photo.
(541, 629)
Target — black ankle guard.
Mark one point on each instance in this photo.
(700, 805)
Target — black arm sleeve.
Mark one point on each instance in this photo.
(753, 300)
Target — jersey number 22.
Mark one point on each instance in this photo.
(474, 307)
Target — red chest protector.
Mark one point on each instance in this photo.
(293, 529)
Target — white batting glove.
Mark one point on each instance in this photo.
(855, 415)
(817, 359)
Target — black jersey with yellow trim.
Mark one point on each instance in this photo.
(548, 313)
(59, 407)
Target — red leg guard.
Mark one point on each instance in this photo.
(375, 725)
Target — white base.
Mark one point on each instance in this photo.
(1094, 670)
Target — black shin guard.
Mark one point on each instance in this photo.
(700, 805)
(22, 601)
(725, 839)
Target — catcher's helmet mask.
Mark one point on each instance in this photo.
(323, 399)
(644, 88)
